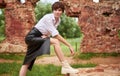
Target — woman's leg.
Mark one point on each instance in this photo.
(57, 49)
(66, 68)
(23, 70)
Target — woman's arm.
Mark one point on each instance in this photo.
(61, 39)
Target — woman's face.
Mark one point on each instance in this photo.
(57, 13)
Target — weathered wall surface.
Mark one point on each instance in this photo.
(19, 19)
(2, 4)
(99, 22)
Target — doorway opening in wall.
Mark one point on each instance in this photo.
(49, 1)
(2, 25)
(68, 27)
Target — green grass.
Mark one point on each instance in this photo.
(76, 45)
(45, 70)
(12, 56)
(87, 56)
(84, 65)
(9, 68)
(2, 37)
(12, 69)
(84, 56)
(74, 42)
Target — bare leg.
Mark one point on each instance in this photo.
(57, 49)
(23, 70)
(66, 68)
(58, 52)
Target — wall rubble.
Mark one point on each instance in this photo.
(99, 23)
(19, 19)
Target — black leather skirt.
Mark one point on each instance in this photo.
(36, 46)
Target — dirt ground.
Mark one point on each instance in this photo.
(109, 66)
(54, 60)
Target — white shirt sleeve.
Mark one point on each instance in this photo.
(22, 1)
(49, 25)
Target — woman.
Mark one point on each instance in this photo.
(39, 40)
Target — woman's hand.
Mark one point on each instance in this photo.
(72, 50)
(44, 36)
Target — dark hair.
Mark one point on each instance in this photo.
(58, 5)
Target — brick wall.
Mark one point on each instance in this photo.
(19, 19)
(2, 4)
(99, 23)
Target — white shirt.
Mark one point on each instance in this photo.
(22, 1)
(47, 26)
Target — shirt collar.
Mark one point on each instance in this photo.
(53, 18)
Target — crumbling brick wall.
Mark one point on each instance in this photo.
(99, 23)
(19, 19)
